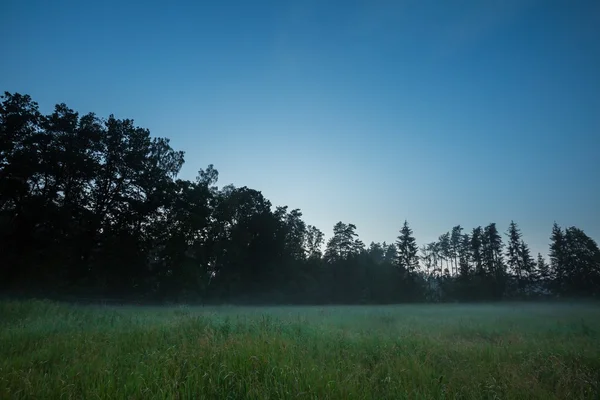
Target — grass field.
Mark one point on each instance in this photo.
(517, 351)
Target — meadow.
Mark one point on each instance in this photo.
(53, 350)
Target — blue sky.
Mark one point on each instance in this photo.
(369, 112)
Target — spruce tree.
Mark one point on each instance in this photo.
(513, 258)
(542, 270)
(493, 250)
(527, 262)
(408, 258)
(557, 257)
(492, 246)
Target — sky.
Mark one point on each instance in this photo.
(367, 112)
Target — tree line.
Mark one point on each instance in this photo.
(95, 205)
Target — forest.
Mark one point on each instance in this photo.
(93, 206)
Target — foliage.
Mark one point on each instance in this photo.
(92, 205)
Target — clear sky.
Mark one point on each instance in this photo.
(369, 112)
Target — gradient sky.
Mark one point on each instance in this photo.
(369, 112)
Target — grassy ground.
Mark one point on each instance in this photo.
(50, 350)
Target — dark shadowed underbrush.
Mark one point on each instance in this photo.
(52, 350)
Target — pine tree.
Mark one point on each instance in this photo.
(527, 262)
(542, 270)
(427, 258)
(445, 249)
(343, 243)
(557, 257)
(434, 250)
(493, 259)
(477, 250)
(464, 257)
(455, 241)
(513, 261)
(391, 253)
(358, 247)
(408, 258)
(493, 250)
(376, 252)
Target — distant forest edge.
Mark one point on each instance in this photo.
(93, 207)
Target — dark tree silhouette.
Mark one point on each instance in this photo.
(464, 257)
(94, 206)
(558, 259)
(445, 251)
(582, 263)
(542, 272)
(313, 242)
(408, 258)
(513, 258)
(527, 263)
(455, 239)
(343, 244)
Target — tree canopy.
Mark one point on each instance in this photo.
(95, 205)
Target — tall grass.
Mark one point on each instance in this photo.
(525, 351)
